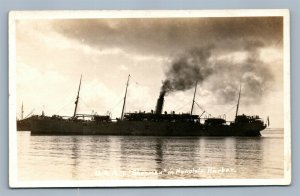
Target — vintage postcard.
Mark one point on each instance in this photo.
(149, 98)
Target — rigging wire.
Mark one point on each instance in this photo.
(138, 83)
(63, 107)
(199, 106)
(30, 113)
(203, 109)
(84, 103)
(69, 94)
(229, 110)
(180, 107)
(115, 106)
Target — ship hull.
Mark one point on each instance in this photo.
(24, 125)
(142, 128)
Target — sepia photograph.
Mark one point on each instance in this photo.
(149, 98)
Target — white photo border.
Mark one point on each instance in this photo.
(13, 169)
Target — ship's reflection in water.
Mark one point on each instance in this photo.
(135, 157)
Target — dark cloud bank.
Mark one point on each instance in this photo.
(193, 46)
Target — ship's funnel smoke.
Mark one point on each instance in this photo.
(220, 77)
(184, 71)
(188, 68)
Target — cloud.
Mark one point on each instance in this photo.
(162, 37)
(238, 40)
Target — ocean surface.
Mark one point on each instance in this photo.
(140, 157)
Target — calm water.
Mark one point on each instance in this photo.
(136, 157)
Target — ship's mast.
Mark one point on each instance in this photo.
(123, 109)
(77, 98)
(194, 98)
(238, 103)
(22, 111)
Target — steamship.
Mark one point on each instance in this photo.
(154, 123)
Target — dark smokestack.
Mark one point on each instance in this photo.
(160, 103)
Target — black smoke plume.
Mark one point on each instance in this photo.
(221, 77)
(188, 68)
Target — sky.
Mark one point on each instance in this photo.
(220, 54)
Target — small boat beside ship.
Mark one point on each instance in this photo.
(24, 123)
(154, 123)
